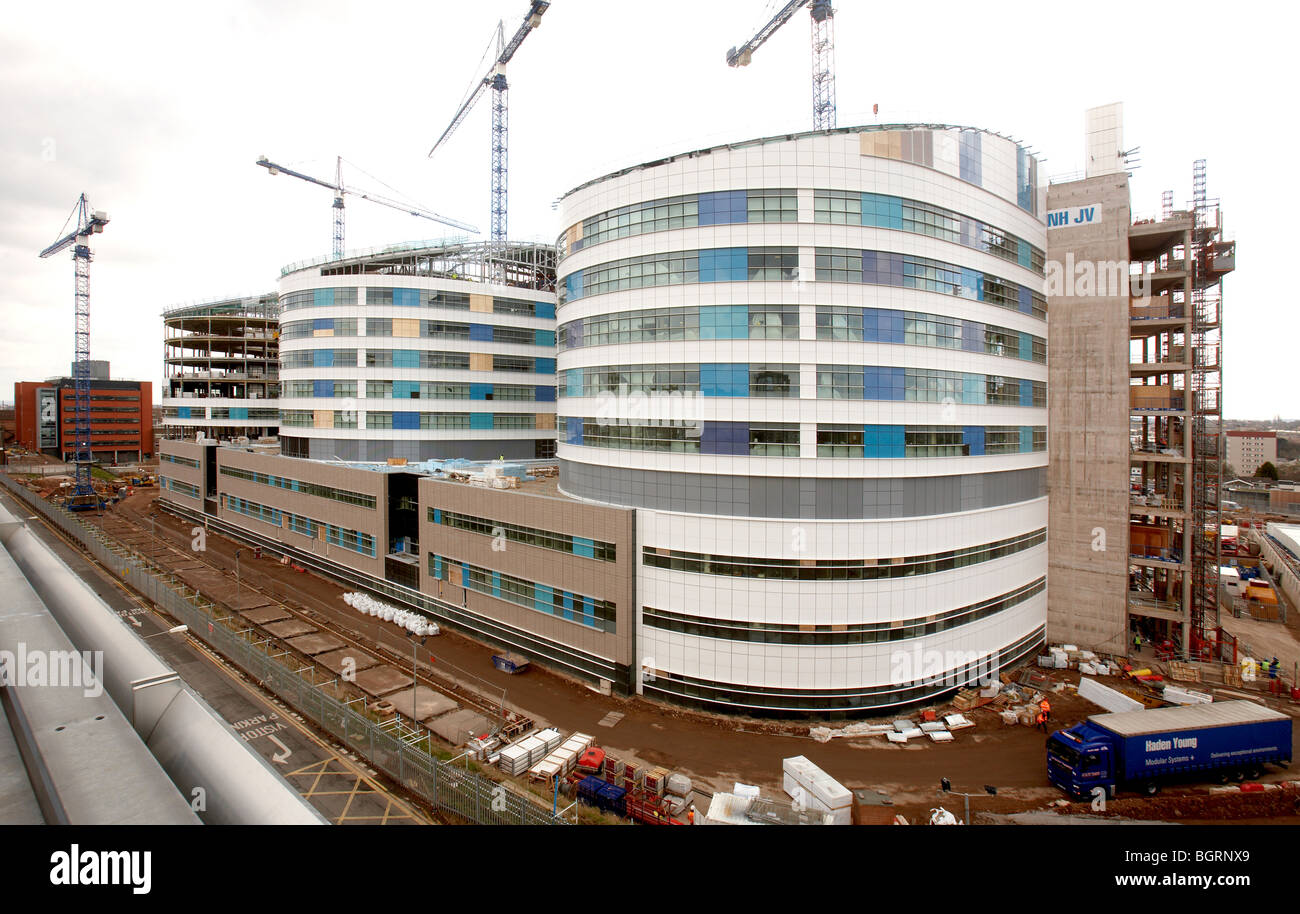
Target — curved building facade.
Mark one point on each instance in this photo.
(817, 365)
(419, 351)
(221, 368)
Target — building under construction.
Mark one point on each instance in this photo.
(221, 368)
(1136, 439)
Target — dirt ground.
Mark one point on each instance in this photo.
(717, 752)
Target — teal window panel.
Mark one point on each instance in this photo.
(573, 382)
(480, 420)
(883, 440)
(568, 605)
(322, 358)
(239, 412)
(544, 338)
(464, 575)
(1023, 255)
(882, 211)
(408, 298)
(724, 379)
(543, 598)
(406, 358)
(584, 547)
(972, 284)
(437, 568)
(973, 389)
(182, 412)
(724, 322)
(1026, 392)
(544, 309)
(573, 286)
(1026, 439)
(406, 390)
(322, 298)
(544, 366)
(437, 515)
(496, 584)
(1027, 347)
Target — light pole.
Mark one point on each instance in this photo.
(238, 582)
(945, 786)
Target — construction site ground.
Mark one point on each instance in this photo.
(716, 751)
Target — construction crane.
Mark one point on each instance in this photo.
(340, 189)
(823, 55)
(495, 79)
(88, 222)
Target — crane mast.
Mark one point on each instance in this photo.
(88, 222)
(823, 54)
(495, 79)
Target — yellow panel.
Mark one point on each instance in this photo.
(480, 303)
(323, 418)
(545, 420)
(895, 145)
(406, 326)
(328, 332)
(480, 361)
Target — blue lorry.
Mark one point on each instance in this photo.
(1138, 750)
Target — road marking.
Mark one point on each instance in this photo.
(278, 758)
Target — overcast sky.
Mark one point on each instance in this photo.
(159, 110)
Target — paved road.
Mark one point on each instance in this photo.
(341, 786)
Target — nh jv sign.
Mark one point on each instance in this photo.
(1075, 215)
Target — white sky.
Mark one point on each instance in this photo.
(159, 110)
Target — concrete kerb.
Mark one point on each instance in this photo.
(447, 787)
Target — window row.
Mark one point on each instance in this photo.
(678, 267)
(913, 328)
(926, 385)
(181, 488)
(360, 499)
(703, 322)
(530, 536)
(723, 379)
(588, 611)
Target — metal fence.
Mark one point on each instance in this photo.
(389, 748)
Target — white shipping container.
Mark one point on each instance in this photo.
(822, 791)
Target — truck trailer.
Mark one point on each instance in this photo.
(1139, 750)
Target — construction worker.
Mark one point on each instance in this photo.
(1042, 720)
(1137, 642)
(690, 815)
(1046, 707)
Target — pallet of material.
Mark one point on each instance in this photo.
(550, 737)
(656, 779)
(514, 760)
(940, 736)
(1184, 672)
(965, 699)
(958, 722)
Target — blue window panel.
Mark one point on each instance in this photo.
(972, 284)
(479, 391)
(882, 211)
(183, 412)
(1026, 439)
(724, 379)
(1027, 347)
(568, 605)
(1024, 256)
(480, 420)
(406, 358)
(322, 358)
(973, 437)
(544, 394)
(584, 547)
(496, 584)
(437, 515)
(322, 298)
(972, 336)
(882, 268)
(971, 156)
(406, 420)
(1026, 392)
(884, 440)
(573, 430)
(544, 338)
(883, 382)
(1026, 301)
(543, 598)
(464, 575)
(882, 325)
(973, 389)
(406, 298)
(323, 323)
(724, 438)
(406, 390)
(724, 264)
(724, 322)
(573, 286)
(480, 332)
(723, 207)
(437, 568)
(544, 309)
(239, 412)
(573, 382)
(545, 366)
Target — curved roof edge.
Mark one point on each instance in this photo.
(783, 137)
(254, 305)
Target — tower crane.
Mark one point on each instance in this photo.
(88, 222)
(823, 55)
(340, 189)
(495, 79)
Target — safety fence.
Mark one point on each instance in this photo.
(390, 747)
